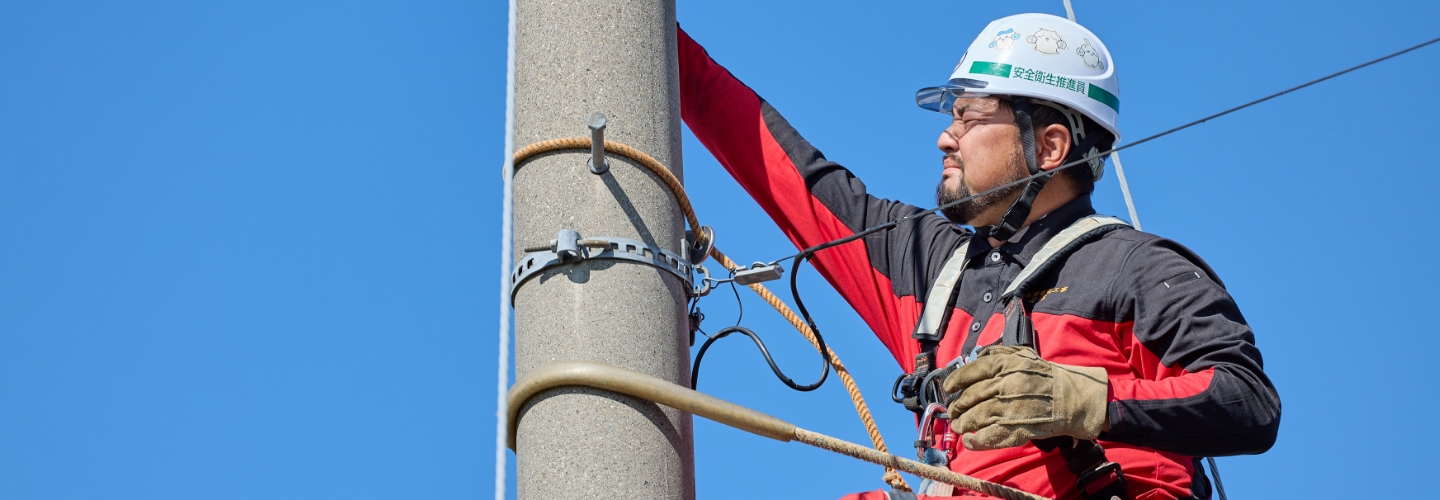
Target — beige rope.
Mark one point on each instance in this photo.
(619, 380)
(891, 476)
(646, 160)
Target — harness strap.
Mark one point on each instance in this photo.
(1083, 231)
(1018, 328)
(941, 299)
(940, 302)
(1097, 477)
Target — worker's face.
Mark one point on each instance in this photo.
(982, 151)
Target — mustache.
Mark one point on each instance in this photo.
(954, 158)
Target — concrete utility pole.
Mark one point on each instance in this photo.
(575, 58)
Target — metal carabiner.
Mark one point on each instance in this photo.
(706, 283)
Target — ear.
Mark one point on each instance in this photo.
(1052, 144)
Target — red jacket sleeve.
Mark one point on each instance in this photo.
(814, 200)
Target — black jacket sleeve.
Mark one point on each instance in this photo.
(1209, 395)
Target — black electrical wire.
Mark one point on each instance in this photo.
(800, 258)
(892, 224)
(739, 304)
(824, 350)
(695, 372)
(819, 340)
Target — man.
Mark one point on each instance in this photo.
(1117, 337)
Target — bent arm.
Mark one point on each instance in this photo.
(1202, 389)
(814, 200)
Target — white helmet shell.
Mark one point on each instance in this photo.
(1040, 56)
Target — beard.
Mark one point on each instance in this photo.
(967, 212)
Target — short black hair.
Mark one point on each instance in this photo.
(1045, 115)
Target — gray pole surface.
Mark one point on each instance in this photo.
(617, 57)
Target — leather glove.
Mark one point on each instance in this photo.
(1008, 396)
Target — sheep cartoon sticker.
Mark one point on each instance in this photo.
(1090, 55)
(1004, 40)
(1046, 42)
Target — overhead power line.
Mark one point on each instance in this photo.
(1086, 160)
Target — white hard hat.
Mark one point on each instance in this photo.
(1040, 56)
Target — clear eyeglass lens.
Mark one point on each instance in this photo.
(942, 99)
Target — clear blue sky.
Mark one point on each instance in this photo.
(250, 249)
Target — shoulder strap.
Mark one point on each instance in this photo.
(1018, 329)
(941, 298)
(940, 301)
(1096, 476)
(1081, 232)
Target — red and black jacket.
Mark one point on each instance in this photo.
(1186, 379)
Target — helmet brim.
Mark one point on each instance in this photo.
(942, 99)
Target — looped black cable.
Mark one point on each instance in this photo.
(799, 304)
(824, 350)
(695, 372)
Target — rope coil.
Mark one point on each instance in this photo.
(891, 477)
(676, 188)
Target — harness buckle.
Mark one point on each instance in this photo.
(908, 389)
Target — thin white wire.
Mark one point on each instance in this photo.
(502, 377)
(1114, 157)
(1125, 189)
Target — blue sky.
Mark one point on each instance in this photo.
(250, 249)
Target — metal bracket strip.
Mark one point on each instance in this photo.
(569, 248)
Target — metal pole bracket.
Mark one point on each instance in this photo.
(568, 247)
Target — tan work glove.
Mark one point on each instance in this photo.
(1008, 396)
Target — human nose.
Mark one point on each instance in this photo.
(949, 141)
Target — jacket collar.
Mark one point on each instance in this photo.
(1031, 238)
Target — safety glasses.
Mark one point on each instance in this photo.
(942, 99)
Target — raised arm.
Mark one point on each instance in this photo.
(814, 200)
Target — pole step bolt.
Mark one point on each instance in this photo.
(598, 165)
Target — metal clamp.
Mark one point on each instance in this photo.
(568, 247)
(758, 272)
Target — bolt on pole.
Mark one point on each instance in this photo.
(575, 59)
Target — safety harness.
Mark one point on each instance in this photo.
(1097, 477)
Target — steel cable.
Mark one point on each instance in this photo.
(921, 213)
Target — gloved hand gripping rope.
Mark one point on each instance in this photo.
(806, 327)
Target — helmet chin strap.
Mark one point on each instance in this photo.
(1019, 210)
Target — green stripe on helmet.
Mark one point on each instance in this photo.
(1008, 71)
(989, 68)
(1104, 96)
